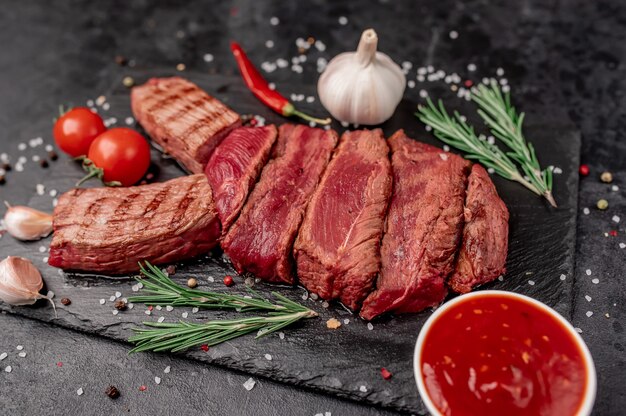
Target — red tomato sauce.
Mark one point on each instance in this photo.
(500, 355)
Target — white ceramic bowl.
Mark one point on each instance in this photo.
(590, 392)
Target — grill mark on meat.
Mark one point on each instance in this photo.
(156, 202)
(89, 216)
(187, 108)
(182, 207)
(123, 207)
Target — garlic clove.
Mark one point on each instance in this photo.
(27, 224)
(362, 87)
(20, 282)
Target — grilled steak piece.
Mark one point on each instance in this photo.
(234, 168)
(485, 236)
(338, 247)
(109, 230)
(423, 227)
(261, 240)
(183, 119)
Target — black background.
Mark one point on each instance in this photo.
(567, 55)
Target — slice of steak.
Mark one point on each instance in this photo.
(261, 240)
(183, 119)
(423, 227)
(338, 247)
(109, 230)
(485, 235)
(234, 168)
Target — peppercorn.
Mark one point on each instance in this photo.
(120, 60)
(602, 204)
(583, 170)
(2, 180)
(6, 166)
(192, 282)
(128, 82)
(112, 392)
(180, 67)
(606, 177)
(310, 40)
(43, 163)
(66, 301)
(53, 155)
(228, 281)
(171, 269)
(301, 50)
(120, 305)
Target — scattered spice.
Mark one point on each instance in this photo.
(113, 392)
(180, 67)
(6, 166)
(59, 364)
(602, 204)
(385, 373)
(204, 347)
(142, 388)
(192, 282)
(43, 163)
(583, 170)
(613, 233)
(228, 281)
(53, 155)
(606, 177)
(128, 82)
(171, 269)
(2, 180)
(120, 305)
(66, 301)
(333, 323)
(121, 60)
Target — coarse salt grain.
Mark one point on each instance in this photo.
(195, 310)
(614, 188)
(531, 282)
(453, 34)
(557, 171)
(268, 357)
(169, 308)
(589, 313)
(129, 121)
(157, 380)
(3, 356)
(80, 391)
(112, 298)
(159, 307)
(281, 335)
(615, 219)
(118, 294)
(21, 147)
(8, 369)
(471, 67)
(595, 281)
(167, 369)
(161, 319)
(19, 347)
(210, 279)
(148, 312)
(274, 21)
(102, 301)
(249, 384)
(115, 312)
(586, 211)
(363, 389)
(343, 20)
(370, 326)
(588, 272)
(208, 57)
(40, 189)
(562, 277)
(185, 314)
(622, 245)
(588, 298)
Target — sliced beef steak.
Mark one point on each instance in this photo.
(423, 227)
(234, 168)
(338, 247)
(261, 240)
(485, 235)
(109, 230)
(183, 119)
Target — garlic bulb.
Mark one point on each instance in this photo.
(26, 223)
(20, 282)
(362, 87)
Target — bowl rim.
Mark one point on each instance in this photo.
(590, 390)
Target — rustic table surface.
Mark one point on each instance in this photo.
(567, 53)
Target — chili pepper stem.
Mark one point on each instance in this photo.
(289, 110)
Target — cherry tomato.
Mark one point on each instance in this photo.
(123, 155)
(75, 130)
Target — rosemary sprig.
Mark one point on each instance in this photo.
(506, 124)
(164, 291)
(456, 132)
(183, 335)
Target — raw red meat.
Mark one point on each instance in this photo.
(261, 240)
(183, 119)
(338, 247)
(234, 168)
(110, 230)
(485, 236)
(423, 227)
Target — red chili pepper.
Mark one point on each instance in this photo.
(261, 89)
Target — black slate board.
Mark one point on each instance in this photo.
(339, 362)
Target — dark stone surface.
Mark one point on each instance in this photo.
(560, 57)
